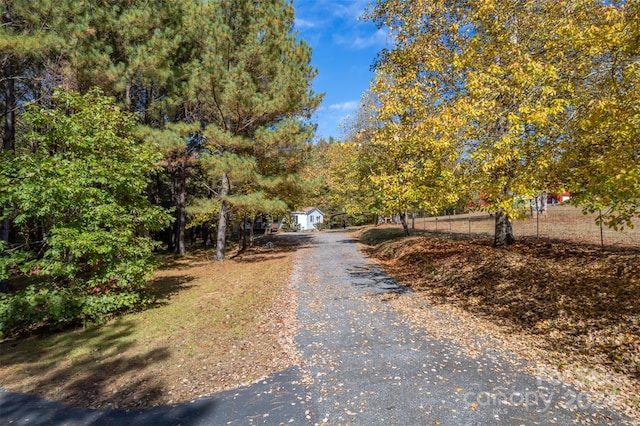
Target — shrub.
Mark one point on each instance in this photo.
(51, 307)
(76, 184)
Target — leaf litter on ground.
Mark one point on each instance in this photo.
(570, 310)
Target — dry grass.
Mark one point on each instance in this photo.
(563, 222)
(571, 309)
(217, 325)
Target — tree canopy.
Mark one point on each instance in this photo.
(508, 100)
(197, 109)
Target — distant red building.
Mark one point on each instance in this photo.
(558, 198)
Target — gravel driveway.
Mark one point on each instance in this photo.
(368, 366)
(361, 364)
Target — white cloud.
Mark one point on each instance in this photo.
(304, 24)
(379, 38)
(342, 21)
(352, 10)
(344, 106)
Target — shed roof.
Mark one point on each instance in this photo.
(308, 210)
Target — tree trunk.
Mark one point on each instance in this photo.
(251, 234)
(167, 236)
(403, 220)
(206, 232)
(222, 218)
(8, 139)
(9, 136)
(541, 204)
(179, 185)
(504, 231)
(243, 234)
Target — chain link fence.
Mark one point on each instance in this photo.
(564, 222)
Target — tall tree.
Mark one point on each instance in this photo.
(356, 161)
(418, 167)
(601, 158)
(249, 87)
(419, 82)
(178, 142)
(515, 106)
(137, 51)
(235, 74)
(482, 81)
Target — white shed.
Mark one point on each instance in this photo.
(307, 218)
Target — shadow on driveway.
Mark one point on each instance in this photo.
(372, 278)
(275, 400)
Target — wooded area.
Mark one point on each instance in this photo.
(131, 126)
(121, 118)
(489, 104)
(135, 121)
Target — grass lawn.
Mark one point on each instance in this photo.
(571, 309)
(217, 325)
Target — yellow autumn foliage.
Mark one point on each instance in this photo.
(510, 99)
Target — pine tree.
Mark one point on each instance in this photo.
(225, 78)
(235, 76)
(249, 87)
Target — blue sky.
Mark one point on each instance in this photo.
(344, 48)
